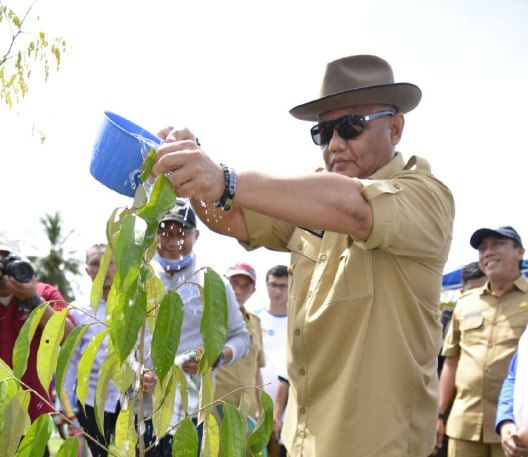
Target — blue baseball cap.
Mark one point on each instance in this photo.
(181, 213)
(504, 232)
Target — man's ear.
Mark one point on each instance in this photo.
(397, 124)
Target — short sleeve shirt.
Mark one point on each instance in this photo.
(363, 321)
(484, 334)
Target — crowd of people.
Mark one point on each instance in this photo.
(350, 342)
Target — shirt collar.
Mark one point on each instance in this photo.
(6, 300)
(391, 168)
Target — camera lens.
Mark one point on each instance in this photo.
(19, 269)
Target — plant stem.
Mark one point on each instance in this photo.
(141, 417)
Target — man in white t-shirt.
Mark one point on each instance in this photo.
(273, 321)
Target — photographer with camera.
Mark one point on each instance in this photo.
(21, 293)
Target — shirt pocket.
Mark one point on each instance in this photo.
(510, 328)
(353, 278)
(304, 247)
(471, 329)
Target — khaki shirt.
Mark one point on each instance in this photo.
(363, 321)
(484, 333)
(244, 371)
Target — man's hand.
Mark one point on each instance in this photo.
(440, 432)
(190, 171)
(149, 381)
(190, 367)
(510, 440)
(61, 424)
(21, 290)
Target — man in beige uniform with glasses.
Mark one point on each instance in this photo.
(369, 238)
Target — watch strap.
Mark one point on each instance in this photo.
(29, 304)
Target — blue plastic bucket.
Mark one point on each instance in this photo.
(119, 152)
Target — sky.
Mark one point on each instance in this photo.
(231, 70)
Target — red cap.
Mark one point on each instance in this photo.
(241, 269)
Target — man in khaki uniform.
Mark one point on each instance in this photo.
(244, 372)
(486, 326)
(369, 238)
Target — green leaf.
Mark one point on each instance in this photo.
(148, 164)
(182, 381)
(8, 381)
(13, 429)
(65, 355)
(155, 293)
(97, 286)
(258, 440)
(162, 198)
(123, 375)
(166, 337)
(105, 374)
(4, 400)
(85, 366)
(140, 197)
(70, 447)
(244, 405)
(125, 432)
(48, 352)
(211, 437)
(128, 316)
(213, 326)
(129, 251)
(206, 393)
(23, 342)
(233, 436)
(163, 404)
(185, 441)
(36, 438)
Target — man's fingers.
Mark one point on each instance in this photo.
(164, 133)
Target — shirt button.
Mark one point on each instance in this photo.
(302, 372)
(323, 257)
(300, 246)
(397, 186)
(297, 332)
(309, 293)
(302, 410)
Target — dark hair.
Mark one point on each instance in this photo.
(471, 271)
(279, 271)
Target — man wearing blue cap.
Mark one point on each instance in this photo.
(175, 264)
(486, 326)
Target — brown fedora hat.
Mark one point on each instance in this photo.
(359, 80)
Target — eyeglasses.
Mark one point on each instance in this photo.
(274, 285)
(347, 127)
(241, 284)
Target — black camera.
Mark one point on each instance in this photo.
(17, 268)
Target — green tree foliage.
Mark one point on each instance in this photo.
(137, 301)
(22, 52)
(57, 267)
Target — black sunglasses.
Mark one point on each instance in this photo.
(347, 127)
